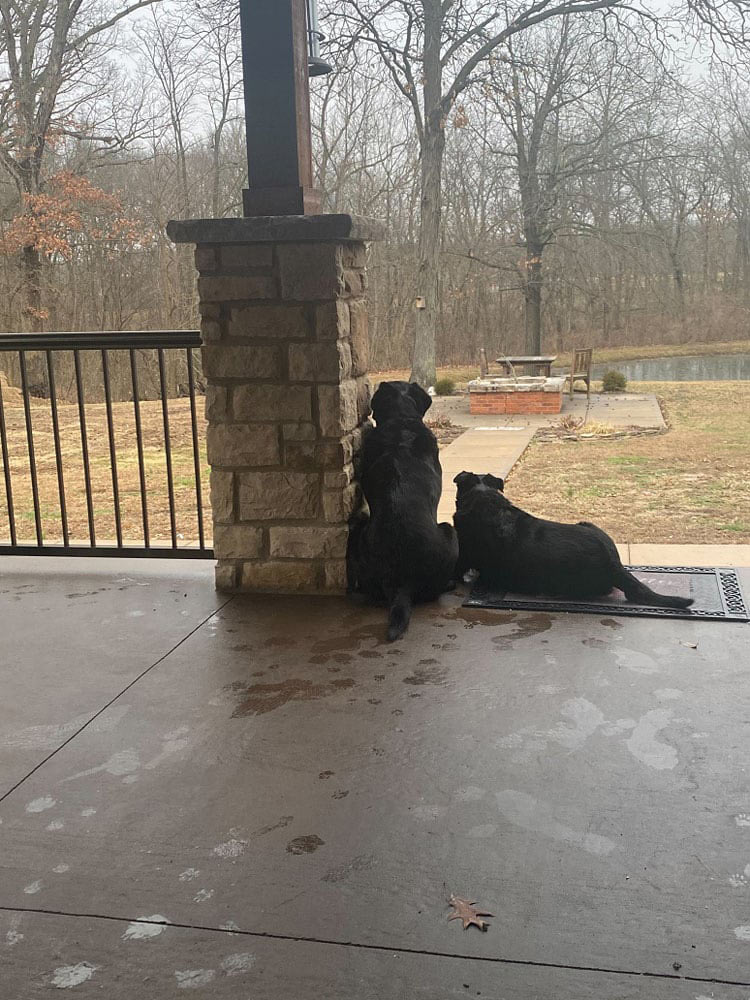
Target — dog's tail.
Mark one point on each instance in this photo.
(399, 613)
(637, 592)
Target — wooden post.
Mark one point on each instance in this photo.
(277, 109)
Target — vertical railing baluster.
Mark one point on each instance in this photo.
(167, 445)
(17, 440)
(6, 471)
(85, 448)
(112, 450)
(196, 450)
(58, 449)
(30, 441)
(139, 443)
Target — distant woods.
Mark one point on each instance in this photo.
(594, 190)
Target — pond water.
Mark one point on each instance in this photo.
(692, 368)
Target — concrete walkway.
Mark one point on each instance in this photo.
(489, 449)
(638, 554)
(260, 798)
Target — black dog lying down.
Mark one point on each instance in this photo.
(515, 551)
(399, 554)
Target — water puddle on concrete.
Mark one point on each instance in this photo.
(432, 674)
(304, 845)
(525, 624)
(258, 699)
(341, 648)
(524, 628)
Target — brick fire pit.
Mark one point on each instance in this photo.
(530, 394)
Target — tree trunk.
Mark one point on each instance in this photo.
(742, 268)
(533, 296)
(215, 172)
(432, 149)
(428, 270)
(29, 185)
(32, 283)
(678, 279)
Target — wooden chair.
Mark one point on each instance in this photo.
(486, 370)
(581, 369)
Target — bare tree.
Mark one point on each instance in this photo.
(570, 101)
(48, 51)
(435, 49)
(216, 29)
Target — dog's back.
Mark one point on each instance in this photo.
(517, 551)
(401, 467)
(402, 555)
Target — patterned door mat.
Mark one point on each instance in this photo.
(716, 592)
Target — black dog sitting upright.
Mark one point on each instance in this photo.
(399, 554)
(513, 550)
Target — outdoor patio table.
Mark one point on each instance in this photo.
(538, 364)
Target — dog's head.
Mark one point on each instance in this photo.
(468, 481)
(394, 400)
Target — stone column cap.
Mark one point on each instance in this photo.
(277, 229)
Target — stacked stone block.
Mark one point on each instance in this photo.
(285, 355)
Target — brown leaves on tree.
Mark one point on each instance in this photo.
(70, 215)
(467, 911)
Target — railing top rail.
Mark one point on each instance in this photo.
(112, 340)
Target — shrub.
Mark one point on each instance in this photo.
(445, 387)
(613, 382)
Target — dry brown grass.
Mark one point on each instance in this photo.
(689, 486)
(127, 467)
(101, 476)
(602, 355)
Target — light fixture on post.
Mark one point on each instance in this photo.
(315, 65)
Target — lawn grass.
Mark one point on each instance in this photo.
(688, 486)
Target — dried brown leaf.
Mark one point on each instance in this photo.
(466, 910)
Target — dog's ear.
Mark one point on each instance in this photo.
(465, 480)
(495, 481)
(422, 399)
(382, 399)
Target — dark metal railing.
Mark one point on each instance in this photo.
(145, 385)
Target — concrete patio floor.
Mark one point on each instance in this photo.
(298, 798)
(619, 410)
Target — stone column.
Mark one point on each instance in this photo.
(285, 355)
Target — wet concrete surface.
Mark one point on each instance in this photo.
(74, 633)
(132, 960)
(285, 784)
